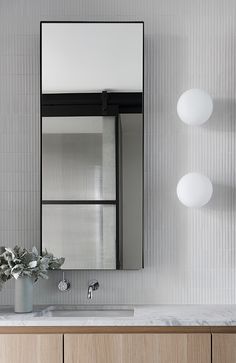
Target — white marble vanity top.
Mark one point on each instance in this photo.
(144, 315)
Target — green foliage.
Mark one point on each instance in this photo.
(18, 262)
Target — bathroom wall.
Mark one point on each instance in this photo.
(189, 255)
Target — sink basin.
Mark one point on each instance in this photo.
(88, 312)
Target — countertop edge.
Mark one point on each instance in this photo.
(118, 330)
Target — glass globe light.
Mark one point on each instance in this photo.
(194, 190)
(195, 107)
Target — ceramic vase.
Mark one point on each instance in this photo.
(24, 295)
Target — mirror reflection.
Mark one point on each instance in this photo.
(84, 234)
(78, 159)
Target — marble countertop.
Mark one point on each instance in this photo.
(144, 315)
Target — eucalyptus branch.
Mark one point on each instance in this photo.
(19, 262)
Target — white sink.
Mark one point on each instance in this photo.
(88, 311)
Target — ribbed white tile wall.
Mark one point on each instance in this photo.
(190, 255)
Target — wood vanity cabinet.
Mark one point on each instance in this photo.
(223, 348)
(31, 348)
(117, 345)
(137, 348)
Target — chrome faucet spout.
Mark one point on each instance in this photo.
(90, 293)
(92, 286)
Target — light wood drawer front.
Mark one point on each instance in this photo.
(137, 348)
(31, 348)
(223, 348)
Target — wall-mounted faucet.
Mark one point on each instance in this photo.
(92, 286)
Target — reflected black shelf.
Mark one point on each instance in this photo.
(79, 202)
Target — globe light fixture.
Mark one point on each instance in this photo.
(194, 190)
(195, 107)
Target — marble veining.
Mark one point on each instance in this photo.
(144, 315)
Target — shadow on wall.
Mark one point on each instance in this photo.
(224, 115)
(223, 199)
(223, 121)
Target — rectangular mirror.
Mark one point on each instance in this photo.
(92, 143)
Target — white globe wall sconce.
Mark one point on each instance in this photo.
(194, 190)
(195, 107)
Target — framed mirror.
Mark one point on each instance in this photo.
(92, 143)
